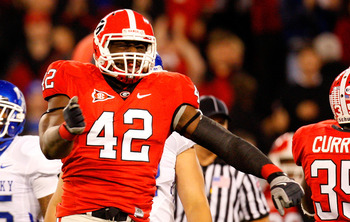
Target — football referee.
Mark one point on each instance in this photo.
(232, 195)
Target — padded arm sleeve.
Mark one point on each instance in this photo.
(234, 150)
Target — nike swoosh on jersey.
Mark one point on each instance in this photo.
(142, 96)
(4, 166)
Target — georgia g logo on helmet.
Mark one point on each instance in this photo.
(100, 27)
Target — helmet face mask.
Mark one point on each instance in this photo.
(124, 27)
(12, 111)
(339, 97)
(128, 62)
(4, 113)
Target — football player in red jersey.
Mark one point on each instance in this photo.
(322, 149)
(111, 140)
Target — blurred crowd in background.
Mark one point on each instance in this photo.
(271, 61)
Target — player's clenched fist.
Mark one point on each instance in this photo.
(285, 192)
(73, 116)
(74, 120)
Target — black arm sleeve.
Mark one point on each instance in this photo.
(234, 150)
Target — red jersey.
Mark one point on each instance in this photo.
(322, 149)
(114, 162)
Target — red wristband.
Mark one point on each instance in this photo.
(65, 134)
(269, 169)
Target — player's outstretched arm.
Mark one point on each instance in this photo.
(238, 153)
(59, 126)
(190, 187)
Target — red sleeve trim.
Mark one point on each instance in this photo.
(269, 169)
(65, 134)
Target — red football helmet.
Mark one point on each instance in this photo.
(339, 97)
(281, 155)
(124, 25)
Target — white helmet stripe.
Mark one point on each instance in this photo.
(132, 19)
(342, 92)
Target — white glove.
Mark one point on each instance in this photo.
(285, 192)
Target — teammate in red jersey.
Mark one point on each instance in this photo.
(111, 140)
(322, 149)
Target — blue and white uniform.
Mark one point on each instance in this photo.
(25, 176)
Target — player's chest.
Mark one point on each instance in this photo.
(99, 95)
(141, 102)
(142, 115)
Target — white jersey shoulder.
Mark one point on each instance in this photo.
(163, 202)
(25, 176)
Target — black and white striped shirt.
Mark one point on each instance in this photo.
(232, 195)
